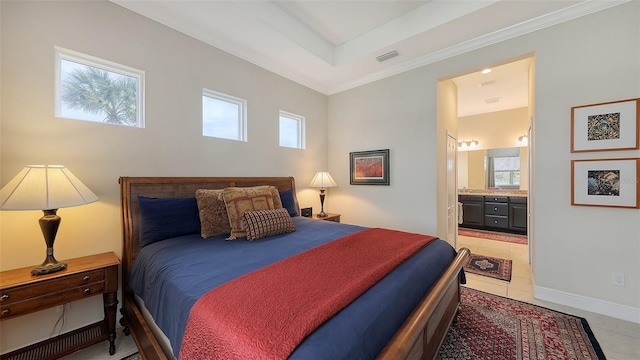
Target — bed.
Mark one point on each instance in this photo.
(413, 328)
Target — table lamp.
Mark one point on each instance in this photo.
(46, 188)
(322, 180)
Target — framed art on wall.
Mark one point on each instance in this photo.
(369, 167)
(605, 182)
(606, 126)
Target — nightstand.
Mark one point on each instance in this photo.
(329, 217)
(22, 293)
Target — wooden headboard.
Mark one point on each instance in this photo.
(174, 187)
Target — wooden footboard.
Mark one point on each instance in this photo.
(419, 337)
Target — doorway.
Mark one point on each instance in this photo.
(494, 128)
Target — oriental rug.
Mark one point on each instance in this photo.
(492, 267)
(492, 327)
(493, 235)
(135, 356)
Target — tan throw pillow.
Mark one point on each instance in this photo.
(240, 200)
(213, 213)
(263, 223)
(277, 202)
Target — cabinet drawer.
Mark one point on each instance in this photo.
(496, 221)
(51, 299)
(500, 199)
(463, 198)
(496, 209)
(48, 286)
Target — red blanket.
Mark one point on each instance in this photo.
(268, 312)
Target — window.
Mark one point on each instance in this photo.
(223, 116)
(292, 130)
(91, 89)
(506, 171)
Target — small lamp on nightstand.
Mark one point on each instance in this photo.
(46, 188)
(322, 180)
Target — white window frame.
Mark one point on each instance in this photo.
(302, 142)
(92, 61)
(242, 112)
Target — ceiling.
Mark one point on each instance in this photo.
(331, 45)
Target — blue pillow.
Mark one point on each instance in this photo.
(166, 218)
(288, 202)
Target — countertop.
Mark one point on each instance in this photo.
(513, 193)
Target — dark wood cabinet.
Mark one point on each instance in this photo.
(500, 213)
(518, 214)
(472, 210)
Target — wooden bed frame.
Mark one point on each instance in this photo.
(419, 337)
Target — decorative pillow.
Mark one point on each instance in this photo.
(289, 203)
(277, 202)
(242, 199)
(166, 218)
(214, 219)
(263, 223)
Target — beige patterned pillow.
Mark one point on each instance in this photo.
(242, 199)
(213, 213)
(263, 223)
(277, 202)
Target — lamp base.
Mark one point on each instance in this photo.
(322, 214)
(48, 268)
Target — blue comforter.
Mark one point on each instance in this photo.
(170, 275)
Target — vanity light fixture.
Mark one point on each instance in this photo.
(467, 144)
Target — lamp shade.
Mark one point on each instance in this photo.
(44, 187)
(322, 180)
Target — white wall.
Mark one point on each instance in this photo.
(494, 130)
(579, 62)
(177, 68)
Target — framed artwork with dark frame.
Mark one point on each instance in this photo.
(605, 182)
(369, 167)
(606, 126)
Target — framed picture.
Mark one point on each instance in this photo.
(605, 182)
(607, 126)
(369, 167)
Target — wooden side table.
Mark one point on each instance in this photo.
(329, 217)
(22, 293)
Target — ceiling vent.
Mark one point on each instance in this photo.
(492, 100)
(387, 56)
(487, 83)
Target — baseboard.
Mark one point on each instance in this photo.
(597, 306)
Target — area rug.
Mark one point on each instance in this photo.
(135, 356)
(492, 235)
(494, 327)
(492, 267)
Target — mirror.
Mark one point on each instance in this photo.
(473, 166)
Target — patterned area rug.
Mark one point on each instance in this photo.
(493, 327)
(483, 234)
(135, 356)
(496, 268)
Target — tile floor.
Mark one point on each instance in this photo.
(619, 339)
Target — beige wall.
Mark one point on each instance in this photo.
(401, 113)
(177, 67)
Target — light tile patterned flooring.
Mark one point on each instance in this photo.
(619, 339)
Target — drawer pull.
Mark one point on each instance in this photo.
(495, 221)
(4, 297)
(87, 291)
(6, 312)
(495, 209)
(86, 278)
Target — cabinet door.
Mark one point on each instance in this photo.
(472, 213)
(518, 217)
